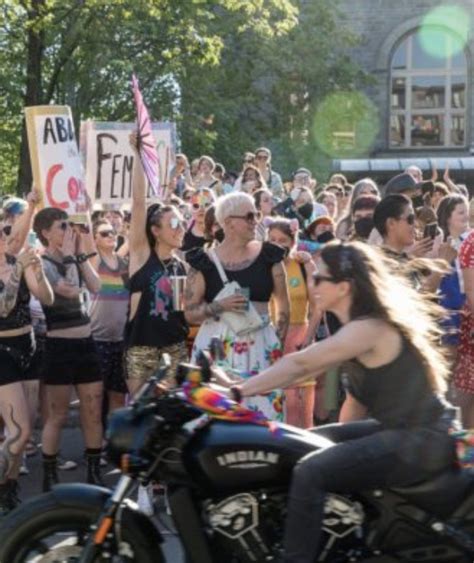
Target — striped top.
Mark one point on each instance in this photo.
(109, 306)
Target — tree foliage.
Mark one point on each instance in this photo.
(233, 74)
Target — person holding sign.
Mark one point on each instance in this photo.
(70, 357)
(19, 276)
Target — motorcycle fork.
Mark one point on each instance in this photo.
(101, 529)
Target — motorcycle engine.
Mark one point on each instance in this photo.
(247, 527)
(343, 519)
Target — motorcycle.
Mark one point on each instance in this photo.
(227, 477)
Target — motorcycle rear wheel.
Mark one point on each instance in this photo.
(27, 536)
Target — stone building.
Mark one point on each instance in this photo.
(420, 55)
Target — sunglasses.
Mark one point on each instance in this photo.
(204, 205)
(410, 219)
(318, 278)
(262, 157)
(176, 224)
(107, 233)
(6, 231)
(250, 217)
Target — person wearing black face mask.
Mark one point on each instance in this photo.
(362, 217)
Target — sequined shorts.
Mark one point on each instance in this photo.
(143, 361)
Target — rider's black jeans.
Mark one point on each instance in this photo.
(366, 457)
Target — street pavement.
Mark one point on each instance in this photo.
(72, 448)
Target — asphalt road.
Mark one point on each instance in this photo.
(72, 448)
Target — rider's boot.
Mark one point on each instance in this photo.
(94, 475)
(50, 472)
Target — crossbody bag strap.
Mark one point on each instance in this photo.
(219, 267)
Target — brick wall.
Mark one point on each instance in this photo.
(381, 24)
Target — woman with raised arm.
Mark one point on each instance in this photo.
(259, 270)
(391, 335)
(19, 276)
(153, 327)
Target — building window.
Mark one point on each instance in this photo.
(428, 91)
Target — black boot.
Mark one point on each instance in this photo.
(5, 503)
(14, 490)
(94, 476)
(50, 472)
(8, 497)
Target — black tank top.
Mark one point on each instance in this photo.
(20, 315)
(156, 323)
(397, 394)
(257, 277)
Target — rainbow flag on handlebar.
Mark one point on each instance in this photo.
(220, 406)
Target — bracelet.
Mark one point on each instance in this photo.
(236, 394)
(81, 258)
(69, 260)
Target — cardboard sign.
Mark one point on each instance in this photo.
(109, 158)
(55, 159)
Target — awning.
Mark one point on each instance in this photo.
(398, 165)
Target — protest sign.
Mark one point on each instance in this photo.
(109, 158)
(55, 159)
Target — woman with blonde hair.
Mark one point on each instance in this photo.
(258, 269)
(397, 430)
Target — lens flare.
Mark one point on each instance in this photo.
(433, 37)
(345, 125)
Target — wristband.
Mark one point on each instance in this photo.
(81, 258)
(69, 260)
(236, 394)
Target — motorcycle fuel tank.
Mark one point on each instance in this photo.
(228, 455)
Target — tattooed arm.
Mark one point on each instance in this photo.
(9, 294)
(196, 310)
(195, 307)
(282, 301)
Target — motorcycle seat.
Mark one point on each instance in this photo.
(442, 494)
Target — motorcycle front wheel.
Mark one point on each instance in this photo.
(52, 533)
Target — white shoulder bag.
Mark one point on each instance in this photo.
(240, 323)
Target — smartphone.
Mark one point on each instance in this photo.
(32, 239)
(245, 292)
(431, 230)
(310, 246)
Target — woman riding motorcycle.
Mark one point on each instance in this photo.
(396, 421)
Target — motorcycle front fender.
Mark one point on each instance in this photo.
(94, 498)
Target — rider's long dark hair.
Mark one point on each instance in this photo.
(377, 292)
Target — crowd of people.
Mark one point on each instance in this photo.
(88, 308)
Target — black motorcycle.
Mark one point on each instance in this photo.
(226, 488)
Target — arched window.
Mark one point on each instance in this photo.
(428, 91)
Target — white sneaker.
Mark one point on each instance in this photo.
(145, 500)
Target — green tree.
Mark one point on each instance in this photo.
(268, 87)
(82, 53)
